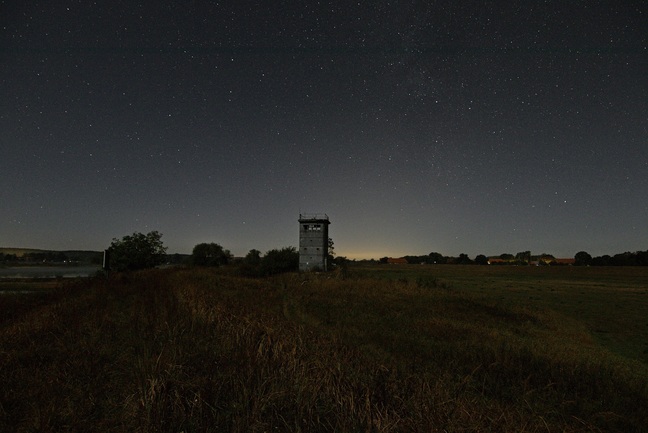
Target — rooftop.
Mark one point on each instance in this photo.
(313, 217)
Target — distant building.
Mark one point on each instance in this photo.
(497, 261)
(397, 261)
(313, 242)
(566, 261)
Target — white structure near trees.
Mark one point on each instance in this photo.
(313, 242)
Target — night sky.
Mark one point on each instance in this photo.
(448, 126)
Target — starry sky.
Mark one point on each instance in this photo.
(477, 127)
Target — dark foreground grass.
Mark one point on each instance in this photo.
(198, 351)
(18, 297)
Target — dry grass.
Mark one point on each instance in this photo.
(199, 351)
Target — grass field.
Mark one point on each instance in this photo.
(610, 302)
(378, 349)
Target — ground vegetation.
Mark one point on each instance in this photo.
(380, 349)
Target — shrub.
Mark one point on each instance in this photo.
(279, 261)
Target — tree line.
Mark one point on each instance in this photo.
(435, 258)
(141, 251)
(638, 258)
(582, 258)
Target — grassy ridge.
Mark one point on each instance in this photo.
(422, 350)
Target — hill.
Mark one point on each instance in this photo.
(54, 256)
(19, 252)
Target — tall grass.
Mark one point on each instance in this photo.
(200, 351)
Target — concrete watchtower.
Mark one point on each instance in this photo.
(313, 242)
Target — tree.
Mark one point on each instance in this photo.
(604, 260)
(136, 251)
(642, 258)
(435, 257)
(417, 260)
(252, 258)
(481, 260)
(330, 257)
(582, 258)
(250, 266)
(464, 259)
(210, 254)
(523, 257)
(624, 259)
(341, 262)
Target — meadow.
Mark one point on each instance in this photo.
(380, 348)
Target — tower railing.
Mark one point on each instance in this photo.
(313, 216)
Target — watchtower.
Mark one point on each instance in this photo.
(313, 242)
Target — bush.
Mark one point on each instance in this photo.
(279, 261)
